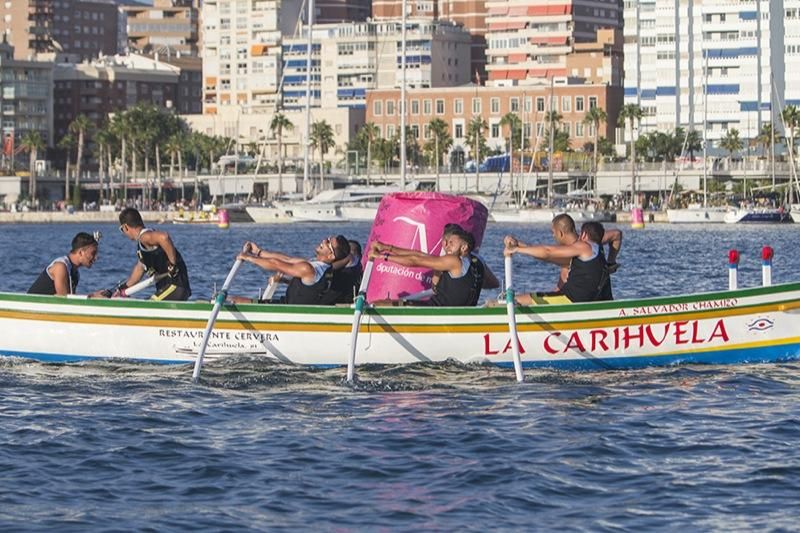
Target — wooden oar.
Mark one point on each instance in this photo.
(220, 299)
(512, 321)
(152, 280)
(360, 302)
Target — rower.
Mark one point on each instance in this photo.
(461, 272)
(61, 276)
(588, 276)
(311, 281)
(158, 257)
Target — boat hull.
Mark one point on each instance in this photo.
(698, 215)
(751, 325)
(268, 215)
(758, 216)
(546, 215)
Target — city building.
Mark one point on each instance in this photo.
(26, 99)
(110, 84)
(742, 58)
(168, 27)
(457, 106)
(82, 29)
(470, 14)
(532, 40)
(349, 59)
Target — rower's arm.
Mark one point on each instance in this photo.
(552, 254)
(296, 269)
(161, 239)
(136, 275)
(613, 238)
(441, 263)
(60, 278)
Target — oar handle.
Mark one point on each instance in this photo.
(152, 280)
(512, 319)
(218, 301)
(360, 302)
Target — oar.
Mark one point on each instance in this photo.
(512, 321)
(269, 292)
(219, 300)
(421, 295)
(360, 301)
(152, 280)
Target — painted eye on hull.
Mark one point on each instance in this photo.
(760, 324)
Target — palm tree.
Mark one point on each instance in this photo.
(694, 142)
(66, 143)
(79, 127)
(121, 128)
(477, 141)
(731, 142)
(442, 141)
(633, 114)
(278, 125)
(594, 117)
(322, 139)
(103, 138)
(791, 120)
(32, 142)
(369, 133)
(174, 147)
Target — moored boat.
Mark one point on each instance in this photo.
(748, 325)
(697, 214)
(758, 215)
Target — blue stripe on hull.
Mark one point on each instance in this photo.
(766, 354)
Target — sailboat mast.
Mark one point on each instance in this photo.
(705, 129)
(307, 132)
(403, 97)
(550, 154)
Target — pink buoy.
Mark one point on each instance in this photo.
(637, 218)
(415, 220)
(733, 269)
(767, 253)
(223, 220)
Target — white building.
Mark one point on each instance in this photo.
(747, 54)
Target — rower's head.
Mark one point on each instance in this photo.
(333, 249)
(459, 243)
(84, 250)
(355, 249)
(130, 223)
(563, 228)
(592, 232)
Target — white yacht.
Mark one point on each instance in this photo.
(697, 214)
(355, 202)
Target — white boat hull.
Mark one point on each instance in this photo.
(733, 326)
(268, 215)
(546, 215)
(699, 215)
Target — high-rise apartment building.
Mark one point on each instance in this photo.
(166, 27)
(471, 14)
(531, 40)
(26, 98)
(714, 62)
(81, 28)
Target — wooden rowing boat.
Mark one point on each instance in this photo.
(748, 325)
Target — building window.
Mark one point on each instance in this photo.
(540, 104)
(377, 108)
(528, 104)
(494, 106)
(426, 107)
(579, 103)
(390, 131)
(439, 106)
(415, 130)
(458, 106)
(495, 130)
(579, 129)
(592, 102)
(476, 106)
(458, 131)
(566, 104)
(513, 104)
(415, 107)
(390, 107)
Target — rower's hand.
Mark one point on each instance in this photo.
(510, 241)
(173, 270)
(102, 293)
(508, 252)
(376, 248)
(613, 267)
(276, 278)
(251, 247)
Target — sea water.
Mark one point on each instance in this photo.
(256, 445)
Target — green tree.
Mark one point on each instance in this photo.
(514, 125)
(594, 117)
(367, 135)
(731, 142)
(632, 113)
(438, 145)
(103, 140)
(32, 143)
(477, 142)
(66, 144)
(79, 128)
(278, 125)
(322, 139)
